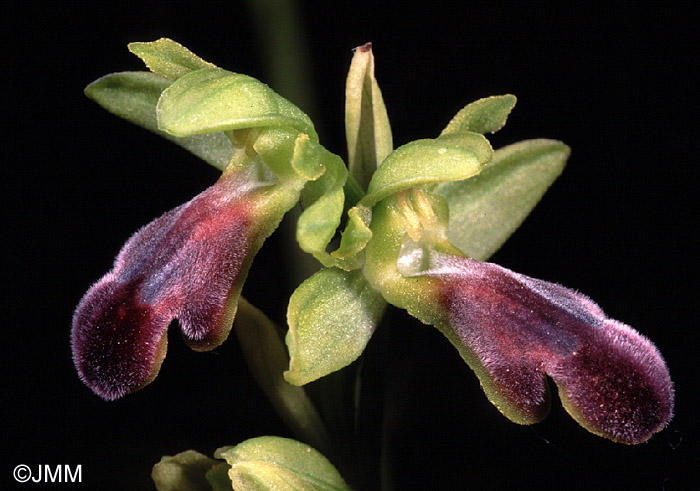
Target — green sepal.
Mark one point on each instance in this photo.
(168, 58)
(267, 359)
(367, 128)
(212, 99)
(486, 115)
(447, 158)
(134, 95)
(331, 316)
(487, 209)
(186, 471)
(273, 463)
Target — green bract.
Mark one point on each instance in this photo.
(267, 359)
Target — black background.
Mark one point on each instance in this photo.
(616, 81)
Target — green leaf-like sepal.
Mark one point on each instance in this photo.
(367, 126)
(447, 158)
(273, 463)
(134, 95)
(487, 209)
(212, 99)
(167, 58)
(486, 115)
(331, 317)
(322, 197)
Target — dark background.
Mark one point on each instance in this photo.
(616, 81)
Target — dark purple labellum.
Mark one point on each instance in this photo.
(188, 264)
(517, 329)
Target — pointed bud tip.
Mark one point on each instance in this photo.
(365, 48)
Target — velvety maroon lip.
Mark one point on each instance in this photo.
(611, 379)
(182, 265)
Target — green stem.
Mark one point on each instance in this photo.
(279, 27)
(267, 360)
(280, 33)
(370, 407)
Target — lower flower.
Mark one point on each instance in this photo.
(514, 331)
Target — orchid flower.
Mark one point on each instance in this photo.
(422, 219)
(188, 264)
(191, 263)
(514, 330)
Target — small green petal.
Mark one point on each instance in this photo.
(274, 463)
(487, 209)
(317, 224)
(322, 198)
(331, 317)
(483, 116)
(354, 238)
(167, 58)
(307, 160)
